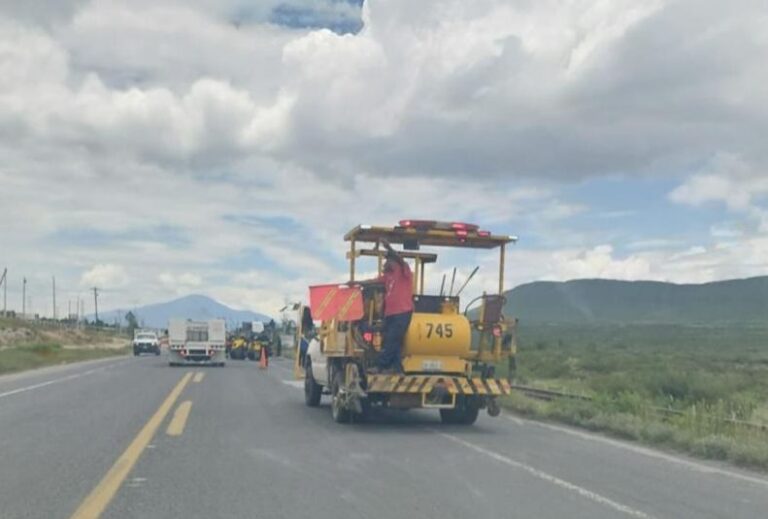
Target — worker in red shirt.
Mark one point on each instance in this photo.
(397, 279)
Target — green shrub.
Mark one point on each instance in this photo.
(751, 454)
(715, 447)
(45, 349)
(659, 433)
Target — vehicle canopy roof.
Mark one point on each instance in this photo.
(414, 233)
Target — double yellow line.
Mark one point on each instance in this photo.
(99, 498)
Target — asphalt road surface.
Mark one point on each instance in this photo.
(134, 438)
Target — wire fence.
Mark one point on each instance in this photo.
(692, 414)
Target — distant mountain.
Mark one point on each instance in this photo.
(195, 307)
(602, 300)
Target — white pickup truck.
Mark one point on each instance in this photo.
(196, 342)
(145, 341)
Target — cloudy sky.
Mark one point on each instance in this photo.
(160, 148)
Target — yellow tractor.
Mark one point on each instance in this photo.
(449, 352)
(255, 346)
(239, 348)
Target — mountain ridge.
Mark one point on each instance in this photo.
(604, 300)
(192, 306)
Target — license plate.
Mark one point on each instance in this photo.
(431, 365)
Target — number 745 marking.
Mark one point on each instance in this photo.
(444, 331)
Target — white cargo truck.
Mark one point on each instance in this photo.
(196, 342)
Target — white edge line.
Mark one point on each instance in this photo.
(549, 478)
(54, 381)
(53, 369)
(692, 465)
(531, 470)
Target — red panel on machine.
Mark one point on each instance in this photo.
(336, 302)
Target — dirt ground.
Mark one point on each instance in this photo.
(13, 336)
(18, 333)
(115, 343)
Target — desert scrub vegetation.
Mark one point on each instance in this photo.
(29, 344)
(679, 387)
(20, 358)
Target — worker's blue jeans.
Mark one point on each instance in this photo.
(395, 327)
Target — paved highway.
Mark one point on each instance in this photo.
(134, 438)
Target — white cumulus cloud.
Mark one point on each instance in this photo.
(193, 145)
(105, 275)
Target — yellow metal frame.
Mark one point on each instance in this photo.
(426, 237)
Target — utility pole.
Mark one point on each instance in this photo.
(54, 297)
(24, 298)
(4, 282)
(96, 303)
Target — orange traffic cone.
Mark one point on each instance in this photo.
(263, 360)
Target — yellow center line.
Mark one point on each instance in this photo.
(179, 420)
(96, 502)
(198, 377)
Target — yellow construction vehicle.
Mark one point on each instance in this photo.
(239, 349)
(255, 346)
(449, 352)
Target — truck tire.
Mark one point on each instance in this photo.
(338, 413)
(463, 414)
(470, 415)
(365, 416)
(312, 390)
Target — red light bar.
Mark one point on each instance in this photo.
(464, 226)
(368, 336)
(483, 234)
(417, 224)
(461, 233)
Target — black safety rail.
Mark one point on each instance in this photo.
(550, 394)
(547, 394)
